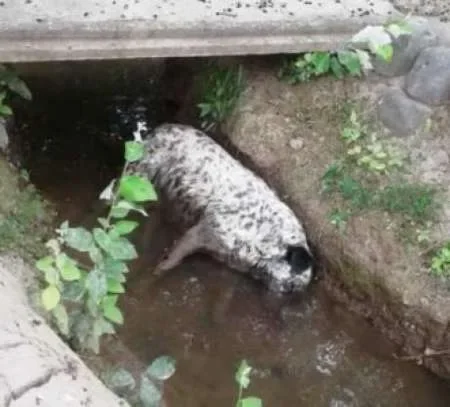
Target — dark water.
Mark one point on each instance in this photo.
(306, 351)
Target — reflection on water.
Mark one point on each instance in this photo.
(306, 350)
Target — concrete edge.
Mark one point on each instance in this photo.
(56, 50)
(153, 29)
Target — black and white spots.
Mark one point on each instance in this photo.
(229, 211)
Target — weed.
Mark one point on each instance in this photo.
(83, 299)
(362, 190)
(242, 378)
(220, 93)
(440, 263)
(11, 83)
(366, 149)
(352, 59)
(314, 64)
(414, 201)
(339, 218)
(149, 388)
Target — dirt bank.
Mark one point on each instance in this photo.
(293, 134)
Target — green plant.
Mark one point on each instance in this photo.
(82, 298)
(414, 202)
(359, 179)
(220, 92)
(352, 58)
(339, 218)
(11, 83)
(365, 147)
(149, 392)
(242, 378)
(440, 263)
(318, 63)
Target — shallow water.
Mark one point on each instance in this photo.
(306, 350)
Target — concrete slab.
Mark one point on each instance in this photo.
(39, 30)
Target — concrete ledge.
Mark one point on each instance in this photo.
(55, 30)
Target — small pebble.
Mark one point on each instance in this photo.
(296, 143)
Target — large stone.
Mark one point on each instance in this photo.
(399, 113)
(429, 80)
(36, 367)
(406, 49)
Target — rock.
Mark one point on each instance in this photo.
(399, 113)
(406, 49)
(296, 143)
(429, 79)
(36, 367)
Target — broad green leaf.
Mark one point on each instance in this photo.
(336, 68)
(385, 52)
(250, 402)
(45, 263)
(134, 151)
(102, 239)
(123, 227)
(19, 87)
(77, 238)
(95, 254)
(5, 110)
(243, 374)
(122, 208)
(74, 291)
(50, 297)
(52, 277)
(162, 368)
(321, 62)
(113, 268)
(96, 285)
(149, 394)
(398, 29)
(136, 189)
(67, 268)
(61, 318)
(350, 60)
(112, 312)
(118, 248)
(120, 381)
(115, 286)
(118, 213)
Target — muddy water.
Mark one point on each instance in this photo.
(306, 351)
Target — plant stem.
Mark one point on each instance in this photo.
(239, 396)
(116, 195)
